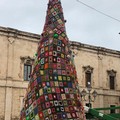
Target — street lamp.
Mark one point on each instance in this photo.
(91, 96)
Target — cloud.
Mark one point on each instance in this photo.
(83, 24)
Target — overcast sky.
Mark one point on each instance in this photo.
(83, 24)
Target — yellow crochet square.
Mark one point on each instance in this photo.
(41, 91)
(41, 72)
(56, 84)
(62, 55)
(60, 78)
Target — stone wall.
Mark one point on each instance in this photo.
(16, 46)
(101, 60)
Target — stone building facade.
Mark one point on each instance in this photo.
(97, 65)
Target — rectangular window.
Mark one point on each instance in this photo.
(112, 110)
(88, 78)
(112, 82)
(27, 72)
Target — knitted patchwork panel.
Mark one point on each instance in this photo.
(52, 92)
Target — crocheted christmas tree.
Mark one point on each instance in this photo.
(52, 92)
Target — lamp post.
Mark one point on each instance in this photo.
(91, 96)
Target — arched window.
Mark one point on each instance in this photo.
(88, 75)
(27, 69)
(111, 77)
(88, 78)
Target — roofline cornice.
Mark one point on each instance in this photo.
(11, 32)
(98, 49)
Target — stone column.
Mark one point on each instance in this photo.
(8, 103)
(100, 79)
(100, 71)
(10, 57)
(9, 78)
